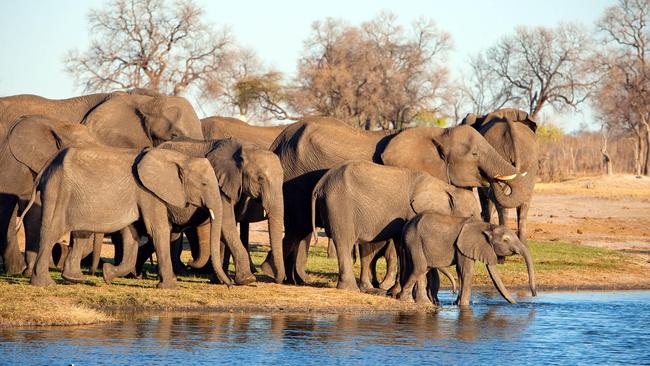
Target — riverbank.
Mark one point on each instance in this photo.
(559, 265)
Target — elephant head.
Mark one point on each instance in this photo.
(490, 244)
(458, 155)
(180, 180)
(138, 120)
(246, 170)
(33, 140)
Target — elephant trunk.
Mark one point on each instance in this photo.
(521, 191)
(215, 244)
(530, 267)
(276, 227)
(494, 274)
(204, 247)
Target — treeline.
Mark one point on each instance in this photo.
(380, 74)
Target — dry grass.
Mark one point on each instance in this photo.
(615, 186)
(559, 265)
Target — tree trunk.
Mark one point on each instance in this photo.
(646, 163)
(607, 160)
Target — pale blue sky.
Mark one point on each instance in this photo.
(35, 35)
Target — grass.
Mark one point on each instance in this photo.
(558, 265)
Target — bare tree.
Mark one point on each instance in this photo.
(623, 99)
(533, 68)
(376, 74)
(152, 44)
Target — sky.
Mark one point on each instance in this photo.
(35, 35)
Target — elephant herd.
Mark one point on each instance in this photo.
(138, 164)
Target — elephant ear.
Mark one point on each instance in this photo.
(415, 149)
(161, 172)
(473, 242)
(34, 140)
(227, 158)
(470, 119)
(159, 116)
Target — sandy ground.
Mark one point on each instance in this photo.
(609, 212)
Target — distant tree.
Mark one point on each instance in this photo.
(623, 98)
(374, 75)
(533, 68)
(154, 44)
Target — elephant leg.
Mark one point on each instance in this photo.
(369, 255)
(244, 230)
(130, 249)
(344, 253)
(289, 243)
(80, 242)
(14, 261)
(422, 288)
(465, 268)
(391, 266)
(502, 212)
(118, 247)
(225, 255)
(430, 290)
(522, 218)
(49, 234)
(331, 249)
(486, 208)
(243, 275)
(98, 243)
(32, 226)
(176, 251)
(145, 251)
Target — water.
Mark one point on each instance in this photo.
(554, 328)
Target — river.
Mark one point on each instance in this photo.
(553, 328)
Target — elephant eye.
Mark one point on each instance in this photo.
(475, 153)
(261, 178)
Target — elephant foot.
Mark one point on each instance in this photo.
(394, 291)
(268, 269)
(42, 281)
(108, 272)
(29, 271)
(15, 266)
(404, 297)
(374, 291)
(244, 279)
(366, 287)
(73, 276)
(386, 285)
(169, 284)
(425, 300)
(351, 286)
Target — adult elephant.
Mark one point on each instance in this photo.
(133, 119)
(247, 209)
(307, 149)
(512, 134)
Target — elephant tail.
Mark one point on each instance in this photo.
(37, 181)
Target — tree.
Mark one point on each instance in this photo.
(152, 44)
(623, 99)
(373, 75)
(533, 68)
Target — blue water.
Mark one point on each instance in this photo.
(554, 328)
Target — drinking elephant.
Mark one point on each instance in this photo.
(104, 190)
(133, 119)
(431, 240)
(512, 134)
(307, 149)
(363, 202)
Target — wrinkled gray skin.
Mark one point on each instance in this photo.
(244, 171)
(307, 149)
(103, 190)
(363, 202)
(247, 209)
(512, 134)
(431, 240)
(122, 119)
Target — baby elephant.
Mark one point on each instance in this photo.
(363, 202)
(432, 240)
(103, 190)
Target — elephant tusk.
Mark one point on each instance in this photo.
(524, 174)
(505, 177)
(211, 214)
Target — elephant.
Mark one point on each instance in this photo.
(102, 189)
(367, 202)
(247, 209)
(512, 134)
(243, 170)
(308, 148)
(133, 119)
(432, 240)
